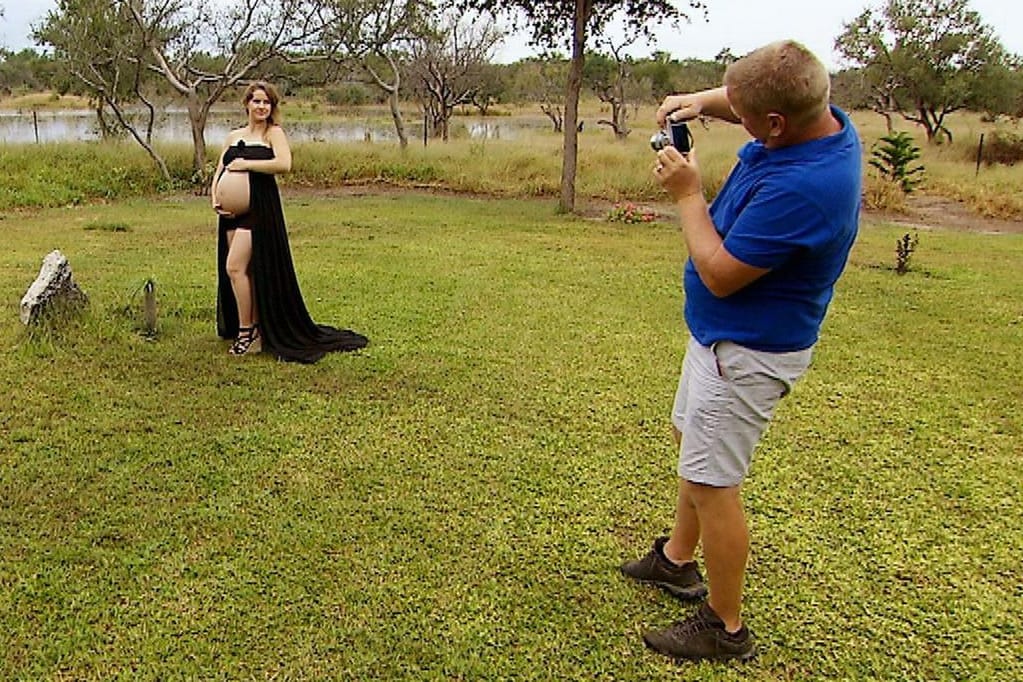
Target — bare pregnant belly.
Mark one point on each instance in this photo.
(233, 192)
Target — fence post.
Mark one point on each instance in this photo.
(980, 150)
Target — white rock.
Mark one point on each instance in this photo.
(55, 284)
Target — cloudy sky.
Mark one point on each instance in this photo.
(739, 25)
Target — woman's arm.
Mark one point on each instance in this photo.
(281, 163)
(216, 174)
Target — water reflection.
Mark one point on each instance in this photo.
(74, 125)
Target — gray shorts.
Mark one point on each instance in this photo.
(726, 396)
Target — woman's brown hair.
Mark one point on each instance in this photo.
(271, 94)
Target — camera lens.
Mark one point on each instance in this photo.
(659, 141)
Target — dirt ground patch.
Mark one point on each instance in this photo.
(922, 212)
(930, 212)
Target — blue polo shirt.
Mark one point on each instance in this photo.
(794, 211)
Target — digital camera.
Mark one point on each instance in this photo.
(677, 135)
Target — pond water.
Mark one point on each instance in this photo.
(19, 127)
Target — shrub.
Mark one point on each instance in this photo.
(904, 249)
(348, 94)
(882, 193)
(628, 212)
(894, 155)
(1003, 146)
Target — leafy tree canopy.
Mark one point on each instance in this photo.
(550, 22)
(556, 23)
(923, 58)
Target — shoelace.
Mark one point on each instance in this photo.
(692, 625)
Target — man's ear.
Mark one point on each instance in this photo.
(778, 125)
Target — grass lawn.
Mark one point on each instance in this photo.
(454, 501)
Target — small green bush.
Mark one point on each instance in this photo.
(894, 155)
(904, 248)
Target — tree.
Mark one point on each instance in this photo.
(698, 74)
(26, 69)
(557, 22)
(116, 47)
(1000, 91)
(850, 90)
(448, 67)
(608, 77)
(724, 57)
(657, 73)
(542, 80)
(492, 87)
(95, 41)
(377, 34)
(922, 58)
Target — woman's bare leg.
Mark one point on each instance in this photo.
(239, 256)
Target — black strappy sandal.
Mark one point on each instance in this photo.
(248, 341)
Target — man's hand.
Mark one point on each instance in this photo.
(713, 103)
(679, 108)
(678, 173)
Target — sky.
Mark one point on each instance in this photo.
(740, 25)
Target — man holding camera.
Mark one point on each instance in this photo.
(763, 262)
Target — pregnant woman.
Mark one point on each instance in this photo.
(259, 303)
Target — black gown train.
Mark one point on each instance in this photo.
(286, 328)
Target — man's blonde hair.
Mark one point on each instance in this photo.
(782, 77)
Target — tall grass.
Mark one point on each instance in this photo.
(611, 170)
(29, 101)
(608, 169)
(62, 174)
(951, 171)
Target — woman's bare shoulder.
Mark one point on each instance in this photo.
(234, 136)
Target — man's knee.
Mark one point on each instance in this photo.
(705, 496)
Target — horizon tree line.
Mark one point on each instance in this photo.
(920, 59)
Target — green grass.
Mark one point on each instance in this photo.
(67, 174)
(453, 502)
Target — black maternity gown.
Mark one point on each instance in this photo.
(286, 328)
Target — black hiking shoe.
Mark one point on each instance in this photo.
(702, 637)
(683, 581)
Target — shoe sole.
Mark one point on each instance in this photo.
(726, 658)
(683, 593)
(694, 593)
(254, 348)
